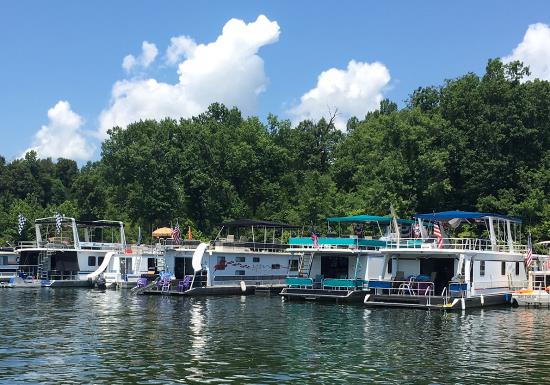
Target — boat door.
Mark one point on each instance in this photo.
(441, 271)
(334, 266)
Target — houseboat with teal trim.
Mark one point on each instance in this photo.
(435, 268)
(340, 265)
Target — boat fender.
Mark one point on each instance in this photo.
(462, 303)
(243, 286)
(482, 300)
(366, 298)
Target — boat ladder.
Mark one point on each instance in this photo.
(161, 264)
(43, 264)
(305, 264)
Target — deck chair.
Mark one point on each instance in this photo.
(165, 283)
(141, 282)
(185, 284)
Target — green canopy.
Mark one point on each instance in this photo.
(368, 218)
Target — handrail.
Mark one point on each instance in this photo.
(474, 244)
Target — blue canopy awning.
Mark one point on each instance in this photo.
(445, 216)
(367, 218)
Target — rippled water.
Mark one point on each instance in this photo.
(84, 336)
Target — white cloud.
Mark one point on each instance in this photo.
(62, 136)
(180, 46)
(353, 92)
(227, 70)
(148, 54)
(534, 51)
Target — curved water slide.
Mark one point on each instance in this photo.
(102, 267)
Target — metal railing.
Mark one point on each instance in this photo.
(409, 287)
(471, 244)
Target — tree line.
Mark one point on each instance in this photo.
(471, 143)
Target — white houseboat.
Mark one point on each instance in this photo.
(438, 270)
(245, 255)
(68, 253)
(340, 265)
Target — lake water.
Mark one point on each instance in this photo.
(84, 336)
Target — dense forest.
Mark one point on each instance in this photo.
(472, 143)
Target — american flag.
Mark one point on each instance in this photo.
(315, 240)
(437, 234)
(176, 235)
(529, 255)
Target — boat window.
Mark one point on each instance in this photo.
(482, 268)
(255, 259)
(275, 266)
(503, 268)
(91, 261)
(240, 259)
(390, 266)
(239, 272)
(517, 268)
(100, 260)
(293, 264)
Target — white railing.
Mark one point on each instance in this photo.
(410, 287)
(473, 244)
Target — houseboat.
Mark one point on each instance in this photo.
(246, 254)
(68, 253)
(340, 265)
(8, 265)
(441, 269)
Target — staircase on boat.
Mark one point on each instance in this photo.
(306, 260)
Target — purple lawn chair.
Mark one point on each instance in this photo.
(185, 284)
(141, 282)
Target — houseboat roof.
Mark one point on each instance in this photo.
(99, 223)
(367, 218)
(258, 223)
(445, 216)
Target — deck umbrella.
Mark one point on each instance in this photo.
(163, 232)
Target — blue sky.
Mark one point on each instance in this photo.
(73, 51)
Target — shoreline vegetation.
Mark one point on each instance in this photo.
(472, 143)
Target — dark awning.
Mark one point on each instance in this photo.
(258, 223)
(445, 216)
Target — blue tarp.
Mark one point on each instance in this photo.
(448, 215)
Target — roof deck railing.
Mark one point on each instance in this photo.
(471, 244)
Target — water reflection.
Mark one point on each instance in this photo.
(82, 336)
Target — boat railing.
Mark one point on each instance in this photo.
(494, 284)
(252, 282)
(400, 288)
(26, 245)
(62, 275)
(249, 246)
(336, 243)
(474, 244)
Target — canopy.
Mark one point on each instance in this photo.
(367, 218)
(446, 216)
(162, 232)
(258, 223)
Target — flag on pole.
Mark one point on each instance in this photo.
(176, 234)
(437, 234)
(21, 220)
(529, 255)
(139, 236)
(417, 232)
(315, 239)
(58, 219)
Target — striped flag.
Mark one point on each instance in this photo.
(529, 255)
(176, 234)
(315, 239)
(21, 220)
(437, 234)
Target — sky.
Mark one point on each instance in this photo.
(72, 70)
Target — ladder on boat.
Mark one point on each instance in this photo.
(305, 264)
(43, 264)
(161, 264)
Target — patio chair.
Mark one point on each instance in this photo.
(185, 284)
